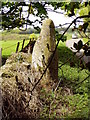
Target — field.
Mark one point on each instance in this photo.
(9, 46)
(70, 74)
(10, 39)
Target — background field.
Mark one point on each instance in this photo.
(9, 46)
(9, 40)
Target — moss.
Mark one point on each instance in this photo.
(39, 68)
(7, 75)
(49, 23)
(19, 57)
(33, 37)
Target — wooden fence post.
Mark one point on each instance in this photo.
(0, 57)
(23, 44)
(17, 47)
(30, 39)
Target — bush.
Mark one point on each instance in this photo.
(33, 37)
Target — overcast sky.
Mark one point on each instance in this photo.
(59, 18)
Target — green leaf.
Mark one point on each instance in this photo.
(20, 9)
(80, 45)
(80, 27)
(89, 3)
(85, 25)
(75, 46)
(86, 3)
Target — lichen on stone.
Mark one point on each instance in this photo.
(19, 57)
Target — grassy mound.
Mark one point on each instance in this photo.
(16, 88)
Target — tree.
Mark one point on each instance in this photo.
(13, 12)
(84, 11)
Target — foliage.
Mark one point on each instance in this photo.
(58, 37)
(33, 36)
(78, 46)
(13, 13)
(85, 10)
(63, 104)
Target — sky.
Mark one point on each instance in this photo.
(55, 16)
(59, 18)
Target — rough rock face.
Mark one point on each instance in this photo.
(43, 50)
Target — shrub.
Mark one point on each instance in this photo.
(33, 37)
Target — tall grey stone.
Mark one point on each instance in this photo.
(42, 53)
(0, 57)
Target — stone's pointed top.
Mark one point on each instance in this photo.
(48, 29)
(48, 22)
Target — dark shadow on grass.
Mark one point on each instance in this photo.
(66, 55)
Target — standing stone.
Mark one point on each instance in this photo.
(42, 53)
(0, 57)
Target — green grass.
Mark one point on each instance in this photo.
(72, 77)
(71, 68)
(10, 39)
(9, 46)
(85, 40)
(69, 105)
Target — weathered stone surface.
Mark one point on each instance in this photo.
(43, 50)
(0, 57)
